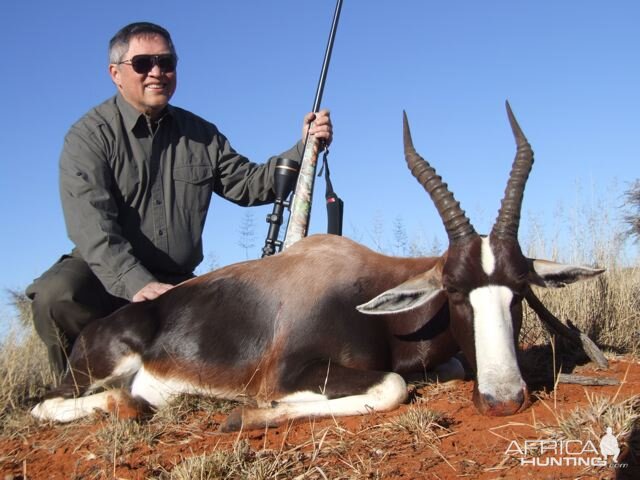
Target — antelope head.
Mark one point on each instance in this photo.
(484, 279)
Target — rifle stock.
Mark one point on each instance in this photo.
(303, 194)
(298, 224)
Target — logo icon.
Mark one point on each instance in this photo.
(609, 446)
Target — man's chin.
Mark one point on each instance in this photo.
(154, 108)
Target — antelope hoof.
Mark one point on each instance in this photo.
(233, 422)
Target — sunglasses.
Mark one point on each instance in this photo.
(143, 64)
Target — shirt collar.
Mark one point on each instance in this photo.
(132, 116)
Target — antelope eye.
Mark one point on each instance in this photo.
(452, 290)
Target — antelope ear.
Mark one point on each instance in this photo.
(414, 293)
(545, 273)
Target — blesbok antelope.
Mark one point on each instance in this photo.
(328, 327)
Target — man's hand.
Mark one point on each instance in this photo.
(322, 127)
(150, 291)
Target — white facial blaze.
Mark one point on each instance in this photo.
(498, 372)
(488, 259)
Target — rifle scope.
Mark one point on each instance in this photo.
(284, 180)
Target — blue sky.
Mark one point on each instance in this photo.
(569, 68)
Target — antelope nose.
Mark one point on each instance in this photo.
(490, 405)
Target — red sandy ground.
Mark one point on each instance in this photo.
(473, 446)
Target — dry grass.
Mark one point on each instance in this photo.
(242, 462)
(422, 424)
(606, 308)
(330, 453)
(591, 422)
(24, 373)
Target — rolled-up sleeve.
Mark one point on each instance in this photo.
(91, 214)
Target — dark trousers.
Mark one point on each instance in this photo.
(65, 299)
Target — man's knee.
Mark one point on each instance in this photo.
(48, 291)
(46, 294)
(66, 297)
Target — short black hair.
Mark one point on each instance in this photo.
(119, 44)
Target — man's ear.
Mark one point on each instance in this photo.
(114, 73)
(545, 273)
(414, 293)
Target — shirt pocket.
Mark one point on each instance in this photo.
(193, 186)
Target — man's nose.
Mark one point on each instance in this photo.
(155, 70)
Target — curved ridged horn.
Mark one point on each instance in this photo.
(455, 221)
(508, 220)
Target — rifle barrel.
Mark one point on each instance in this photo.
(327, 57)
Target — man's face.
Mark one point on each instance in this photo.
(150, 92)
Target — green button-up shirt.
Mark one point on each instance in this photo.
(135, 195)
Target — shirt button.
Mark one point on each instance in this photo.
(158, 202)
(160, 232)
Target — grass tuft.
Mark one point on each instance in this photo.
(240, 462)
(422, 424)
(591, 422)
(24, 375)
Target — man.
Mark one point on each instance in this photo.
(136, 179)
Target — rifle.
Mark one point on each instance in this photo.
(298, 223)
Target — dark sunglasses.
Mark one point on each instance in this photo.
(143, 64)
